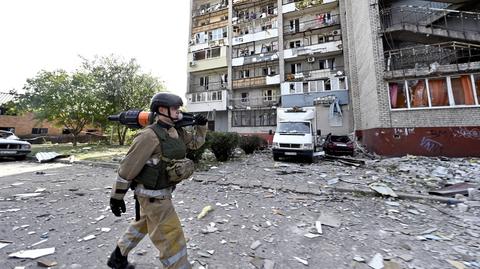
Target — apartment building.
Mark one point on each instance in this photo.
(207, 62)
(278, 53)
(415, 75)
(403, 74)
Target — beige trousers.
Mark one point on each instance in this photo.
(159, 219)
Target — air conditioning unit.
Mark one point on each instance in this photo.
(336, 32)
(311, 59)
(193, 63)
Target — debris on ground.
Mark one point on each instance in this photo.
(43, 157)
(204, 211)
(32, 253)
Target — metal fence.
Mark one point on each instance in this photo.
(425, 55)
(440, 18)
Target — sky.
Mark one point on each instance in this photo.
(51, 34)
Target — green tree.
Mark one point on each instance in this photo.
(121, 86)
(67, 100)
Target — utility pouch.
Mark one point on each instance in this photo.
(179, 170)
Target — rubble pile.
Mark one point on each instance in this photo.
(252, 212)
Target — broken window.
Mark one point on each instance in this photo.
(438, 92)
(462, 90)
(398, 95)
(245, 73)
(417, 89)
(204, 82)
(296, 68)
(342, 83)
(199, 55)
(327, 85)
(295, 25)
(39, 130)
(244, 97)
(295, 44)
(269, 95)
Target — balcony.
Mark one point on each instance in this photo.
(207, 101)
(308, 92)
(326, 21)
(210, 8)
(256, 36)
(209, 86)
(322, 48)
(255, 81)
(290, 6)
(196, 45)
(431, 56)
(256, 58)
(255, 102)
(207, 59)
(446, 23)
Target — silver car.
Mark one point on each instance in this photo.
(12, 146)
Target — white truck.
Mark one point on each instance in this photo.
(296, 134)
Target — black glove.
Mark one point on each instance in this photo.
(117, 207)
(200, 119)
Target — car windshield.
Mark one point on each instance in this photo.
(294, 127)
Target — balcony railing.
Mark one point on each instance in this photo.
(249, 82)
(255, 58)
(325, 20)
(439, 18)
(211, 86)
(302, 4)
(255, 102)
(425, 55)
(214, 7)
(314, 73)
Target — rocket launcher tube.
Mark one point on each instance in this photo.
(136, 119)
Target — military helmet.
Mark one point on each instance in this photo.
(165, 99)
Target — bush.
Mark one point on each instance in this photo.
(251, 143)
(196, 154)
(223, 144)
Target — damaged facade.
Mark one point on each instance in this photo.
(404, 75)
(415, 77)
(278, 54)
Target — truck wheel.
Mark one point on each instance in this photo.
(275, 157)
(309, 159)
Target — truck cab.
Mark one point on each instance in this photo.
(296, 134)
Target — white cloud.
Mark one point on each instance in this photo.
(50, 34)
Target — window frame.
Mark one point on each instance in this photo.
(451, 100)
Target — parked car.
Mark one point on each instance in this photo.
(12, 146)
(338, 145)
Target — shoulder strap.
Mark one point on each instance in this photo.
(159, 131)
(162, 136)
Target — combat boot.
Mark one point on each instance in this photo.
(117, 261)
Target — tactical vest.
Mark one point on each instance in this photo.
(155, 177)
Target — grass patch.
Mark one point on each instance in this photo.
(83, 151)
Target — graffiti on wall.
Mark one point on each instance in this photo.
(466, 133)
(403, 131)
(430, 145)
